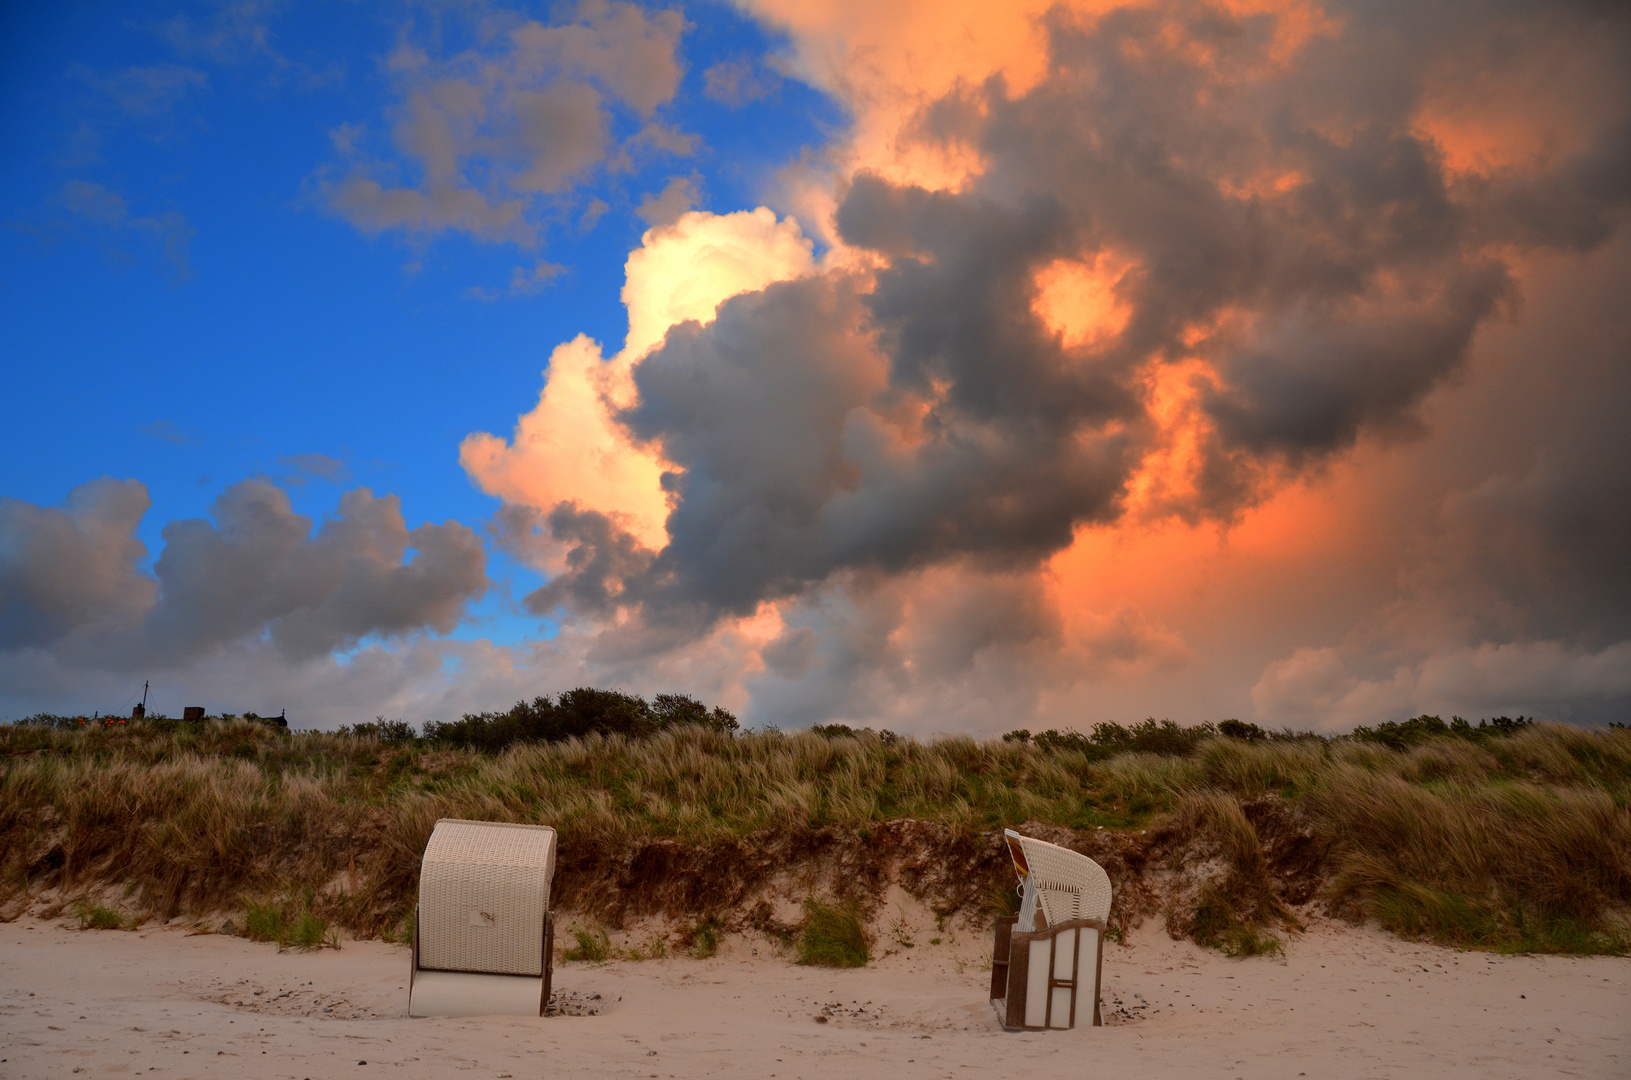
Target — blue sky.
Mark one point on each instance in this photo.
(224, 323)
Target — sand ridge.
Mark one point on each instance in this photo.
(1343, 1002)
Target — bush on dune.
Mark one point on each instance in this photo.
(576, 714)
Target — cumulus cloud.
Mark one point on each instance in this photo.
(73, 566)
(1316, 263)
(484, 139)
(1191, 259)
(572, 448)
(72, 583)
(1512, 593)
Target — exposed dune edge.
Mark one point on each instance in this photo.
(755, 884)
(1341, 1002)
(1269, 866)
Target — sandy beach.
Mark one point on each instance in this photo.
(1343, 1002)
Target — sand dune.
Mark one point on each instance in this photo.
(1343, 1003)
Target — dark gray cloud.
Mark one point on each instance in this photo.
(259, 565)
(1534, 547)
(1289, 221)
(602, 558)
(69, 578)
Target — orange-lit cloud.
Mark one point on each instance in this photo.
(1118, 385)
(571, 447)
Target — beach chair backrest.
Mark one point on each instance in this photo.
(484, 896)
(1067, 884)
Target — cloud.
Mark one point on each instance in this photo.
(1322, 306)
(259, 566)
(572, 447)
(486, 140)
(523, 282)
(665, 206)
(1162, 359)
(1314, 687)
(240, 31)
(257, 570)
(736, 83)
(61, 569)
(304, 467)
(950, 648)
(1180, 262)
(168, 431)
(143, 92)
(94, 204)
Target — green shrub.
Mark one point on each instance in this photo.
(311, 931)
(832, 936)
(1217, 925)
(97, 917)
(1402, 735)
(265, 922)
(704, 938)
(577, 714)
(289, 924)
(592, 946)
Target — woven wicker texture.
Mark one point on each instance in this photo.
(483, 892)
(1068, 885)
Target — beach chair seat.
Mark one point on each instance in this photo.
(1054, 949)
(483, 940)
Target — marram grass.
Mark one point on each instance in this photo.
(1515, 842)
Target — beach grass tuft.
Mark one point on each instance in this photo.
(591, 946)
(833, 936)
(99, 917)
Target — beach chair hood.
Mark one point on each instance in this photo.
(1064, 884)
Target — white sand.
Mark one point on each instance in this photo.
(1344, 1003)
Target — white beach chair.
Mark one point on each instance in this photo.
(483, 939)
(1063, 883)
(1038, 964)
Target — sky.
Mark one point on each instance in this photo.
(945, 367)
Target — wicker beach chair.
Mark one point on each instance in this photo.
(1062, 883)
(483, 937)
(1055, 946)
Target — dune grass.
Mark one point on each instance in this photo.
(1516, 840)
(590, 946)
(290, 923)
(832, 936)
(98, 917)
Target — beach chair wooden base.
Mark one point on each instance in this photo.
(1042, 980)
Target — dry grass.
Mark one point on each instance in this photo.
(1520, 842)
